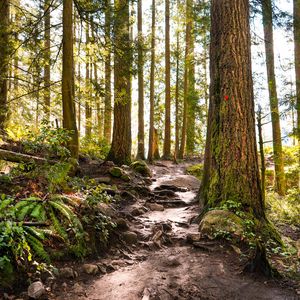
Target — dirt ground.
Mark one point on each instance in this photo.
(169, 267)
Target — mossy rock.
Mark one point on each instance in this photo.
(196, 170)
(141, 167)
(116, 172)
(221, 223)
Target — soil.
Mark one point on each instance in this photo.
(164, 264)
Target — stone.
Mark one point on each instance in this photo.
(67, 272)
(90, 269)
(122, 224)
(156, 207)
(141, 167)
(103, 179)
(127, 196)
(106, 209)
(125, 177)
(102, 269)
(36, 290)
(78, 289)
(116, 172)
(137, 211)
(192, 237)
(217, 222)
(130, 237)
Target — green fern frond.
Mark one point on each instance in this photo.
(49, 233)
(63, 209)
(24, 211)
(21, 204)
(4, 203)
(57, 225)
(37, 233)
(37, 212)
(38, 248)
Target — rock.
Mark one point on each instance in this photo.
(156, 207)
(125, 177)
(116, 172)
(143, 190)
(103, 179)
(122, 224)
(171, 187)
(141, 167)
(130, 237)
(106, 209)
(36, 290)
(67, 272)
(90, 269)
(102, 269)
(137, 211)
(168, 193)
(127, 196)
(110, 268)
(216, 223)
(78, 289)
(192, 237)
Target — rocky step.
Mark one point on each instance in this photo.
(171, 202)
(171, 187)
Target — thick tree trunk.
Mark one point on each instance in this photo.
(297, 61)
(107, 99)
(269, 48)
(167, 138)
(4, 56)
(120, 152)
(47, 52)
(231, 162)
(141, 134)
(69, 116)
(152, 70)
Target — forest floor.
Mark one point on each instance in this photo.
(175, 264)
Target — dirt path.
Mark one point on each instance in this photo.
(163, 265)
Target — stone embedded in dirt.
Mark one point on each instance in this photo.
(106, 209)
(141, 167)
(156, 207)
(103, 179)
(122, 224)
(171, 187)
(110, 268)
(127, 196)
(172, 202)
(36, 290)
(78, 289)
(90, 269)
(130, 237)
(67, 272)
(192, 237)
(142, 190)
(167, 193)
(102, 269)
(137, 211)
(115, 172)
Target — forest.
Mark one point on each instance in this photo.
(149, 149)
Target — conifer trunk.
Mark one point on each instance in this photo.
(120, 152)
(231, 163)
(69, 116)
(4, 57)
(269, 48)
(152, 69)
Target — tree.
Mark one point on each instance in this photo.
(107, 99)
(231, 164)
(297, 61)
(141, 135)
(167, 137)
(69, 116)
(269, 48)
(120, 151)
(4, 57)
(47, 78)
(152, 69)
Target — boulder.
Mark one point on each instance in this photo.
(219, 223)
(141, 167)
(116, 172)
(90, 269)
(67, 272)
(130, 237)
(137, 211)
(122, 224)
(36, 290)
(156, 207)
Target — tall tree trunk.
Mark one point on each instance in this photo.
(107, 99)
(141, 134)
(297, 61)
(231, 162)
(269, 48)
(4, 57)
(167, 138)
(152, 70)
(120, 152)
(47, 63)
(69, 115)
(88, 117)
(79, 100)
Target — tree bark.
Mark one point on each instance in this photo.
(69, 116)
(152, 70)
(269, 48)
(141, 134)
(107, 99)
(167, 138)
(231, 163)
(120, 152)
(297, 61)
(47, 45)
(4, 57)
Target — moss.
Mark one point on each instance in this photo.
(116, 172)
(196, 170)
(141, 167)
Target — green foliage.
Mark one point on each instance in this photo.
(94, 148)
(196, 170)
(97, 194)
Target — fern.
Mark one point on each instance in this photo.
(57, 225)
(38, 248)
(37, 212)
(21, 214)
(4, 203)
